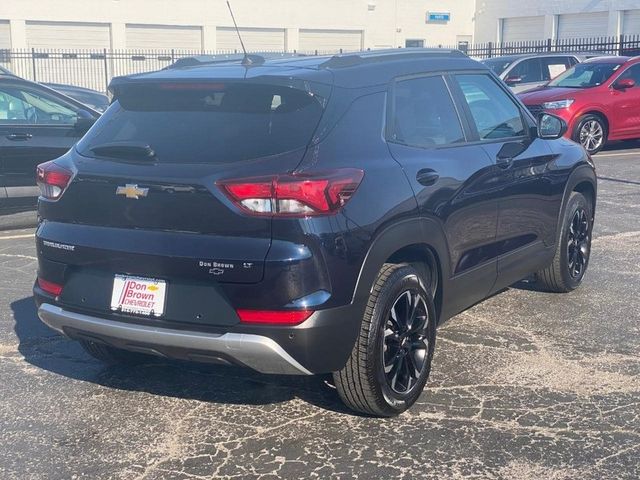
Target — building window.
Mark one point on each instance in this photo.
(414, 43)
(463, 46)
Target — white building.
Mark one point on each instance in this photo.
(268, 25)
(517, 20)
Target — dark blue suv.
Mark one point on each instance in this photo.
(307, 215)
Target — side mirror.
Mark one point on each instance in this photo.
(511, 81)
(84, 121)
(551, 127)
(624, 84)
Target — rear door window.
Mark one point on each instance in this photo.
(424, 113)
(554, 66)
(494, 113)
(208, 123)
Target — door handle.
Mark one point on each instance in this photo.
(19, 136)
(427, 176)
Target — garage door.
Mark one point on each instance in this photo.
(583, 25)
(521, 29)
(68, 52)
(163, 37)
(5, 35)
(330, 40)
(68, 35)
(255, 39)
(631, 22)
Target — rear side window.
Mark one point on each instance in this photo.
(527, 71)
(208, 123)
(554, 66)
(494, 113)
(424, 113)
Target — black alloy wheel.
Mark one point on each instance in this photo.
(573, 248)
(405, 346)
(578, 244)
(391, 359)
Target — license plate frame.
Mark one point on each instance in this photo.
(138, 295)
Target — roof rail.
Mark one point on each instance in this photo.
(373, 56)
(256, 59)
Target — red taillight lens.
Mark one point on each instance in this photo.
(298, 194)
(50, 287)
(52, 180)
(274, 317)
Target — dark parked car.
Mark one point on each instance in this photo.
(36, 124)
(307, 216)
(92, 98)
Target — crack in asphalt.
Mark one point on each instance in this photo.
(525, 385)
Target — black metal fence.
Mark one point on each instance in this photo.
(622, 45)
(95, 68)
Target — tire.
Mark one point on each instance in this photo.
(111, 355)
(573, 245)
(591, 128)
(364, 384)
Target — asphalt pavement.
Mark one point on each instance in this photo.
(526, 385)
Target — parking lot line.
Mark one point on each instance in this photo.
(625, 154)
(15, 237)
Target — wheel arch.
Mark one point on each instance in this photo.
(597, 113)
(583, 180)
(419, 242)
(587, 189)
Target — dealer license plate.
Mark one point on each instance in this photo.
(142, 296)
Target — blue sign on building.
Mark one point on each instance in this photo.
(438, 16)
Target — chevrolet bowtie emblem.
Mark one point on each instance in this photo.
(131, 190)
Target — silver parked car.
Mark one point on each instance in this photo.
(527, 71)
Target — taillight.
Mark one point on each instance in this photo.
(50, 287)
(52, 180)
(300, 194)
(274, 317)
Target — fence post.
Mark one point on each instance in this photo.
(173, 56)
(106, 70)
(621, 45)
(33, 63)
(548, 44)
(489, 48)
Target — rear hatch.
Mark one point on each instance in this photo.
(144, 199)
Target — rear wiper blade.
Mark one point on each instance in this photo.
(125, 150)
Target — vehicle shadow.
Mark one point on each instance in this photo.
(612, 147)
(48, 350)
(530, 284)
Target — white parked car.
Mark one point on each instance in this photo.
(527, 71)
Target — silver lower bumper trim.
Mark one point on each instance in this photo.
(255, 351)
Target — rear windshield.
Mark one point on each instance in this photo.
(208, 123)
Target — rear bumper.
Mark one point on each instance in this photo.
(258, 352)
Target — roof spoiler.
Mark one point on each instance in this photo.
(256, 59)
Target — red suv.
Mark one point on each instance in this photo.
(599, 99)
